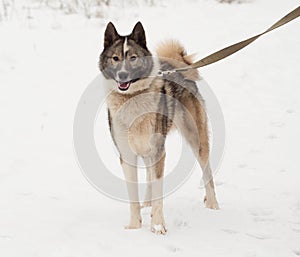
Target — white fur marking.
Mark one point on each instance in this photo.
(157, 227)
(125, 46)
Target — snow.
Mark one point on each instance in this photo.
(47, 208)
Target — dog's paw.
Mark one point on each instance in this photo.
(211, 203)
(158, 225)
(134, 224)
(159, 229)
(146, 204)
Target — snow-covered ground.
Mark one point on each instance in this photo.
(47, 208)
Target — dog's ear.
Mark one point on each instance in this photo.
(110, 35)
(138, 35)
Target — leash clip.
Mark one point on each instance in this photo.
(161, 73)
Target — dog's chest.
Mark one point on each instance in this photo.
(133, 121)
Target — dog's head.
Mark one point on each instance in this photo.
(126, 59)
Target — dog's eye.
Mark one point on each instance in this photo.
(115, 58)
(133, 58)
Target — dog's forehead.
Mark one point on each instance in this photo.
(117, 47)
(124, 46)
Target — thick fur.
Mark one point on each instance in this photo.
(141, 117)
(174, 53)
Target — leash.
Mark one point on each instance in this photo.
(227, 51)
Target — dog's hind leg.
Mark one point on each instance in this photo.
(194, 128)
(130, 173)
(210, 197)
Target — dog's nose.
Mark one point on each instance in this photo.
(123, 75)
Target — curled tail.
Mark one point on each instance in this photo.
(174, 53)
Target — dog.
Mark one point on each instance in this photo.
(144, 107)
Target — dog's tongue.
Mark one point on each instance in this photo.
(124, 85)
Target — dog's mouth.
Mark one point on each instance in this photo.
(124, 86)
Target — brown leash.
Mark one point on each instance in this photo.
(227, 51)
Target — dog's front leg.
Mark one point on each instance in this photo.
(130, 173)
(148, 197)
(158, 225)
